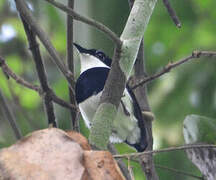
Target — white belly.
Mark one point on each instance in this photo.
(88, 108)
(124, 126)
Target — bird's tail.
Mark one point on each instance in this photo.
(141, 146)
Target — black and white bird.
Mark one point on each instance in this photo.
(128, 126)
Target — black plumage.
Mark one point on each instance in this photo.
(90, 82)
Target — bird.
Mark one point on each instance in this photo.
(128, 125)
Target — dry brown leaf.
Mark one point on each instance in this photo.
(80, 139)
(52, 154)
(101, 166)
(45, 155)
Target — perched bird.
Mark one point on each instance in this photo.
(128, 125)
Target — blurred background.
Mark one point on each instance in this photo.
(188, 89)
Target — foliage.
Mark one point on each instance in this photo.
(196, 128)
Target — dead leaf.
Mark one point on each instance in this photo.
(101, 166)
(46, 154)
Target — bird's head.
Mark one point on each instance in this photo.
(91, 58)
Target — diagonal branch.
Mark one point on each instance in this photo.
(9, 73)
(34, 47)
(179, 172)
(89, 21)
(172, 13)
(179, 148)
(168, 67)
(9, 115)
(63, 103)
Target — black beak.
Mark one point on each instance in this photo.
(79, 48)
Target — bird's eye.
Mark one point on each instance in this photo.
(100, 55)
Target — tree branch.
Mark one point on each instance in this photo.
(34, 47)
(172, 13)
(122, 64)
(70, 63)
(89, 21)
(9, 73)
(180, 148)
(27, 15)
(168, 67)
(63, 103)
(146, 161)
(9, 115)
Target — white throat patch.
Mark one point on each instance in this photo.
(88, 61)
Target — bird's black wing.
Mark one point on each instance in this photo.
(90, 82)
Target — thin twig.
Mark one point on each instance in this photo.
(168, 67)
(170, 169)
(61, 102)
(89, 21)
(179, 172)
(9, 115)
(172, 13)
(70, 63)
(184, 147)
(29, 18)
(34, 47)
(9, 73)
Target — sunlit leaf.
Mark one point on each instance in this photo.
(199, 129)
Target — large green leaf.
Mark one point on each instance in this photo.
(199, 129)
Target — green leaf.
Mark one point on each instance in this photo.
(199, 129)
